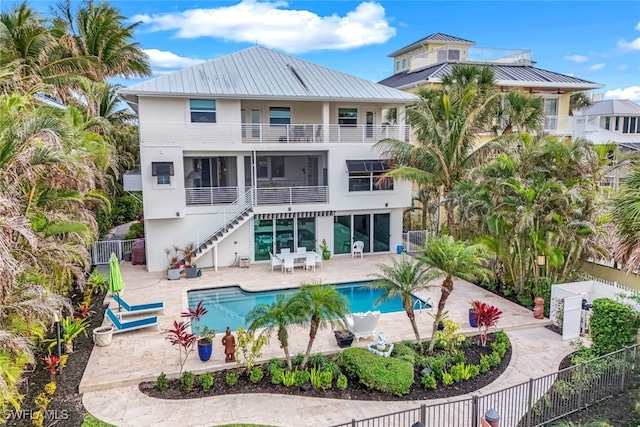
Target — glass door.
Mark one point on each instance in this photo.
(369, 124)
(342, 234)
(284, 234)
(381, 232)
(361, 230)
(263, 238)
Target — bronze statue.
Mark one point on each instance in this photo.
(538, 310)
(229, 343)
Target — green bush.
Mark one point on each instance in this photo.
(317, 360)
(457, 357)
(301, 378)
(297, 359)
(206, 381)
(275, 364)
(485, 364)
(460, 372)
(256, 374)
(438, 364)
(136, 231)
(428, 381)
(613, 326)
(277, 376)
(333, 368)
(162, 382)
(421, 361)
(388, 374)
(231, 379)
(447, 378)
(494, 359)
(404, 352)
(474, 371)
(325, 380)
(341, 382)
(289, 378)
(187, 380)
(500, 348)
(502, 338)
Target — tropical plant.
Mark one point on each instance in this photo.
(277, 316)
(181, 338)
(51, 365)
(487, 317)
(404, 278)
(518, 111)
(578, 101)
(454, 259)
(71, 328)
(202, 333)
(320, 305)
(625, 215)
(249, 347)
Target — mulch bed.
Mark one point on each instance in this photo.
(354, 390)
(66, 400)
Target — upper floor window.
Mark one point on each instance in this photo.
(404, 64)
(163, 173)
(397, 65)
(607, 123)
(630, 125)
(366, 175)
(280, 115)
(348, 116)
(202, 110)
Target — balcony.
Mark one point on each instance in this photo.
(473, 54)
(203, 196)
(229, 133)
(208, 196)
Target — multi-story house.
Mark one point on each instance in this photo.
(428, 60)
(257, 151)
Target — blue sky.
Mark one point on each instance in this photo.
(596, 41)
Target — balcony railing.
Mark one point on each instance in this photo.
(211, 195)
(291, 195)
(230, 133)
(474, 54)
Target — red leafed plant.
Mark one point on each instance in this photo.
(185, 341)
(487, 316)
(195, 314)
(52, 364)
(83, 312)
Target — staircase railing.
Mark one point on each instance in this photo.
(220, 221)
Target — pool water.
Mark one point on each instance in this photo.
(228, 306)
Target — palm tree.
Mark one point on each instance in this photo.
(578, 101)
(278, 315)
(518, 111)
(404, 278)
(446, 123)
(626, 215)
(320, 305)
(454, 259)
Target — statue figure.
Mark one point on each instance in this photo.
(380, 341)
(538, 310)
(229, 343)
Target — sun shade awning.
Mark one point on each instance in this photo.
(367, 165)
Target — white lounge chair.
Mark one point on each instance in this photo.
(363, 325)
(310, 262)
(357, 248)
(275, 262)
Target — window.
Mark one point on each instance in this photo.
(397, 65)
(550, 113)
(366, 175)
(607, 123)
(632, 125)
(348, 116)
(404, 64)
(270, 167)
(279, 115)
(202, 110)
(625, 125)
(163, 180)
(617, 123)
(162, 171)
(277, 167)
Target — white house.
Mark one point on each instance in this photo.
(257, 151)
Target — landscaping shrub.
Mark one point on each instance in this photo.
(457, 357)
(162, 383)
(136, 231)
(341, 382)
(438, 364)
(494, 359)
(289, 378)
(485, 364)
(500, 348)
(613, 326)
(187, 380)
(275, 364)
(447, 378)
(474, 370)
(317, 360)
(277, 376)
(388, 374)
(301, 378)
(333, 368)
(428, 381)
(206, 381)
(325, 380)
(297, 359)
(231, 379)
(404, 352)
(256, 374)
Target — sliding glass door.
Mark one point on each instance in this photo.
(352, 228)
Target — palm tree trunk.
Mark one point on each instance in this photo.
(451, 221)
(447, 288)
(287, 356)
(408, 307)
(315, 324)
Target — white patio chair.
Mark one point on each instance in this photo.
(310, 262)
(357, 248)
(318, 258)
(288, 265)
(285, 251)
(302, 250)
(275, 262)
(363, 325)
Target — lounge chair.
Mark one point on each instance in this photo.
(123, 326)
(363, 325)
(138, 308)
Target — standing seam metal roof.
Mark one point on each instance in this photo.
(612, 107)
(258, 72)
(435, 37)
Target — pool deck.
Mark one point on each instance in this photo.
(110, 380)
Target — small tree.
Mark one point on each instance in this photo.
(249, 347)
(184, 340)
(487, 317)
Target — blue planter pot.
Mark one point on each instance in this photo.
(204, 350)
(473, 319)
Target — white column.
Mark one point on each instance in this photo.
(401, 121)
(325, 121)
(240, 174)
(215, 257)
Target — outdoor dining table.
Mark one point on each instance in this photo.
(297, 257)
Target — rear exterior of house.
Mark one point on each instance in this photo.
(257, 151)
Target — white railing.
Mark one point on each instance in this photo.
(211, 195)
(219, 222)
(291, 195)
(232, 133)
(102, 249)
(414, 241)
(474, 54)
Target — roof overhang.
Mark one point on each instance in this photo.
(512, 83)
(425, 42)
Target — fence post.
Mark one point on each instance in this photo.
(474, 411)
(353, 422)
(580, 384)
(624, 368)
(423, 414)
(530, 404)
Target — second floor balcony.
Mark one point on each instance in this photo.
(229, 133)
(265, 195)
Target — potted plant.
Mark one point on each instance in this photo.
(174, 268)
(344, 337)
(203, 333)
(473, 315)
(326, 253)
(190, 269)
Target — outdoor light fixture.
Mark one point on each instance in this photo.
(541, 260)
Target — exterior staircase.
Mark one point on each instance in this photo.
(223, 223)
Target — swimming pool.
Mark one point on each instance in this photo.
(228, 306)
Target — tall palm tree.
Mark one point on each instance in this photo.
(625, 214)
(278, 315)
(518, 111)
(446, 123)
(404, 278)
(454, 259)
(320, 305)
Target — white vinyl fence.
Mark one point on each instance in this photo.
(102, 249)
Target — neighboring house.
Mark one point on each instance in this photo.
(428, 60)
(257, 151)
(611, 121)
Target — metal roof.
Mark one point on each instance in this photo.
(598, 135)
(612, 107)
(505, 75)
(435, 37)
(261, 73)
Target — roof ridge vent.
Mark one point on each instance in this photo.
(297, 76)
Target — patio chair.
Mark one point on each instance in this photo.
(120, 325)
(363, 325)
(310, 262)
(357, 248)
(275, 262)
(302, 250)
(285, 251)
(318, 258)
(288, 265)
(138, 308)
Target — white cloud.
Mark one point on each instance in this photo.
(631, 92)
(633, 45)
(163, 61)
(576, 58)
(623, 67)
(596, 67)
(269, 24)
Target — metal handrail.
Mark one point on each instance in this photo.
(220, 221)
